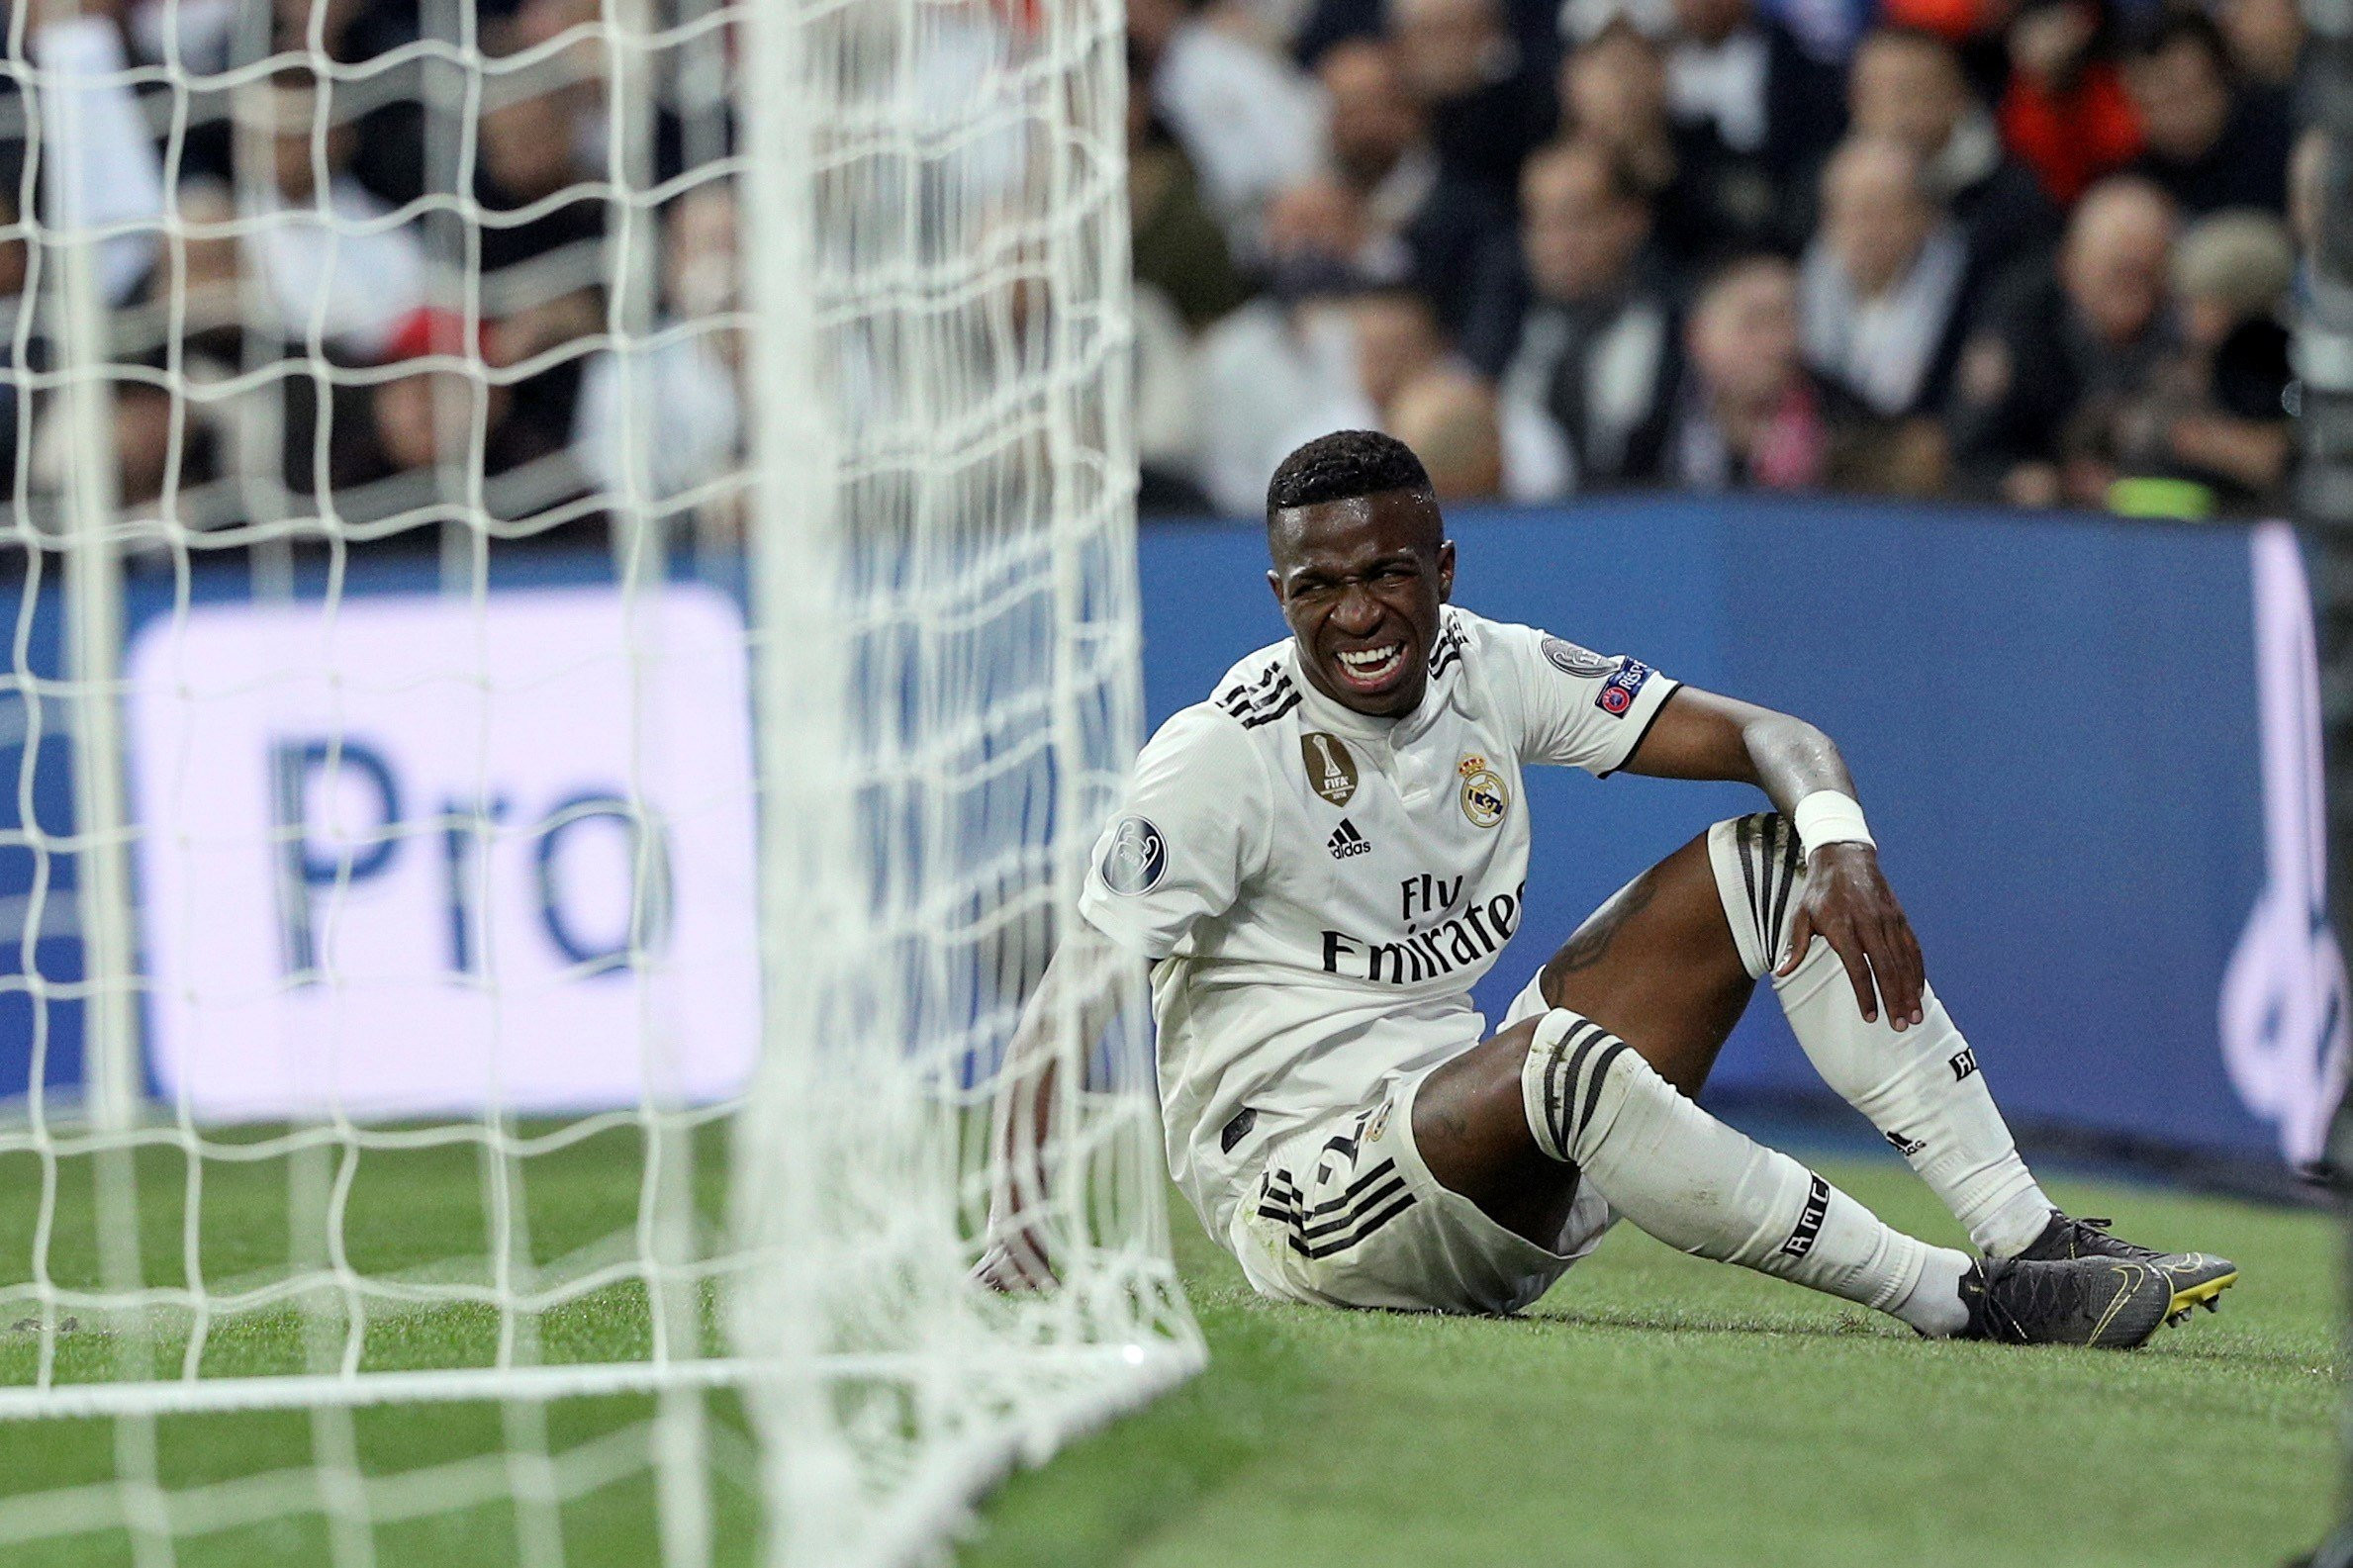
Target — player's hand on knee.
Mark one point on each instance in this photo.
(1848, 904)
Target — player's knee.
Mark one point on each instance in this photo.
(1759, 869)
(1577, 1078)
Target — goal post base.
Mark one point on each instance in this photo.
(1113, 1370)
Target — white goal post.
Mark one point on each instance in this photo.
(575, 620)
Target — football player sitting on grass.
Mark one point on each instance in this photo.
(1318, 864)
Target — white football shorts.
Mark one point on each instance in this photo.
(1345, 1214)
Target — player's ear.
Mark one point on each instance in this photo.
(1446, 571)
(1274, 582)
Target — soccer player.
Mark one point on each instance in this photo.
(1320, 861)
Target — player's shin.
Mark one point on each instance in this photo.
(1700, 1187)
(1920, 1086)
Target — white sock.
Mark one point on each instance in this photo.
(1920, 1086)
(1698, 1185)
(1934, 1303)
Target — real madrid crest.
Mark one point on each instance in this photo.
(1331, 771)
(1484, 798)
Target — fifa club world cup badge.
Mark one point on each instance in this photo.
(1484, 799)
(1331, 771)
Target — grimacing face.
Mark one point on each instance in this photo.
(1361, 583)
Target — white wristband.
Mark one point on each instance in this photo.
(1828, 817)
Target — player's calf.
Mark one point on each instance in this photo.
(1592, 1102)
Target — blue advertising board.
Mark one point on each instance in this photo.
(2084, 745)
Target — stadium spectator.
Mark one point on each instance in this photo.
(1748, 81)
(1320, 352)
(1884, 285)
(1595, 363)
(2065, 114)
(2216, 415)
(314, 236)
(687, 428)
(2212, 143)
(1532, 28)
(1248, 120)
(1447, 238)
(1167, 408)
(1283, 364)
(1397, 338)
(212, 265)
(1704, 199)
(2081, 338)
(1751, 415)
(1186, 281)
(530, 162)
(1909, 86)
(1175, 245)
(1448, 416)
(89, 105)
(1828, 30)
(1488, 106)
(390, 153)
(421, 417)
(2308, 197)
(121, 171)
(397, 445)
(2266, 41)
(149, 454)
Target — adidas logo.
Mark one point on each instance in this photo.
(1346, 841)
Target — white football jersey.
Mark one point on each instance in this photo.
(1321, 889)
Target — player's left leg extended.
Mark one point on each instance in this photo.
(1921, 1086)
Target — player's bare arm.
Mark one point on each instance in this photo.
(1080, 993)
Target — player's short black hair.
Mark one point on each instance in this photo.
(1343, 466)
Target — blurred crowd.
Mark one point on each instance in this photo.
(377, 254)
(2039, 251)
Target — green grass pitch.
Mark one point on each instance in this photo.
(1653, 1410)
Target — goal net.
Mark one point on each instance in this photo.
(573, 624)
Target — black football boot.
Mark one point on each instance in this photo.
(2198, 1277)
(2087, 1301)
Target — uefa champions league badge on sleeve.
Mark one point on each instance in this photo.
(1484, 798)
(1569, 659)
(1618, 691)
(1135, 857)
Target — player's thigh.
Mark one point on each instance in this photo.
(1471, 1124)
(1657, 967)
